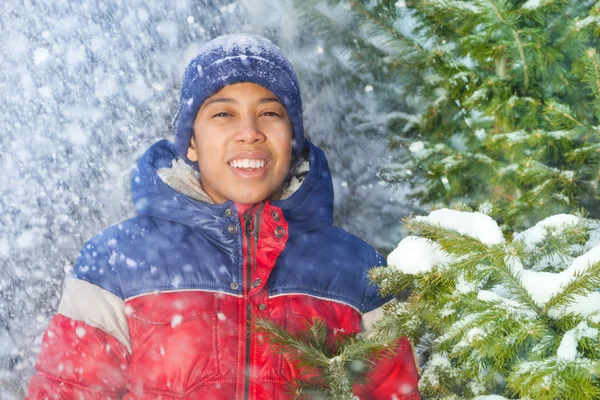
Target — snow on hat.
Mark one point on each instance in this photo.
(233, 59)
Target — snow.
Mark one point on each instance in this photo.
(4, 248)
(509, 304)
(480, 134)
(556, 223)
(508, 168)
(436, 361)
(25, 240)
(176, 320)
(542, 286)
(513, 137)
(568, 174)
(76, 134)
(80, 332)
(416, 255)
(567, 350)
(478, 95)
(486, 208)
(464, 286)
(475, 334)
(532, 4)
(476, 387)
(584, 305)
(589, 20)
(168, 30)
(463, 5)
(40, 55)
(473, 224)
(417, 146)
(559, 134)
(249, 43)
(75, 54)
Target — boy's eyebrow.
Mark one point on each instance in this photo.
(269, 99)
(233, 101)
(219, 100)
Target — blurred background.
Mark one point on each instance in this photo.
(87, 86)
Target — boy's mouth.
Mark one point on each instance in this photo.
(248, 163)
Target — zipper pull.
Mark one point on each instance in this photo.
(248, 222)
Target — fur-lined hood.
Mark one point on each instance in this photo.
(185, 179)
(164, 186)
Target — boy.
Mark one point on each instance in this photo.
(234, 222)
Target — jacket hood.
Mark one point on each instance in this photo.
(309, 207)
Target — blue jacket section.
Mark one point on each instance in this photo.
(178, 243)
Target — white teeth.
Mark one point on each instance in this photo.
(248, 163)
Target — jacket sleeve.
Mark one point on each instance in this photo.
(395, 377)
(85, 350)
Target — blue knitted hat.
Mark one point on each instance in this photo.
(233, 59)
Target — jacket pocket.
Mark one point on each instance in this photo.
(174, 341)
(300, 313)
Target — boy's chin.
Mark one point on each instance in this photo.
(253, 197)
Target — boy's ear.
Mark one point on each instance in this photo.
(191, 153)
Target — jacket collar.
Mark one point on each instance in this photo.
(163, 186)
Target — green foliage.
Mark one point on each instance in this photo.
(490, 98)
(518, 318)
(329, 369)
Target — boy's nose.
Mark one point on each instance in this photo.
(249, 131)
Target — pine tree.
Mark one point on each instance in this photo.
(517, 317)
(491, 98)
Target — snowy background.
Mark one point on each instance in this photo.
(88, 85)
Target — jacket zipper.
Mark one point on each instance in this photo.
(250, 230)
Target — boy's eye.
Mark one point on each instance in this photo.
(271, 114)
(222, 114)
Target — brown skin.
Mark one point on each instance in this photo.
(242, 121)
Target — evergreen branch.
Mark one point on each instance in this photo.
(517, 41)
(403, 319)
(302, 351)
(337, 367)
(560, 114)
(337, 35)
(522, 55)
(583, 282)
(390, 280)
(367, 351)
(596, 185)
(318, 329)
(506, 339)
(591, 53)
(386, 27)
(583, 155)
(539, 379)
(311, 387)
(558, 246)
(516, 288)
(450, 240)
(592, 75)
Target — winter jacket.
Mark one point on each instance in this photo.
(161, 305)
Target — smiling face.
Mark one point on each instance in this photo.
(243, 144)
